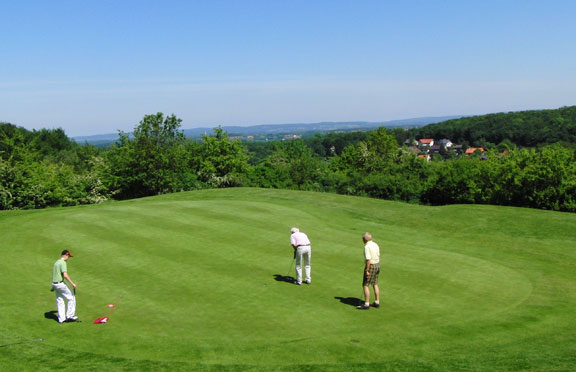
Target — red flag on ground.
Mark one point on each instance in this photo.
(111, 305)
(102, 320)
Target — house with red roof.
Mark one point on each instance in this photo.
(426, 142)
(471, 150)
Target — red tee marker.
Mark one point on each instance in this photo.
(105, 319)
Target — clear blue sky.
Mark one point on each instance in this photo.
(93, 67)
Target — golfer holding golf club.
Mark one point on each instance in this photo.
(371, 271)
(63, 292)
(301, 245)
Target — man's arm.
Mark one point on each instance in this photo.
(367, 256)
(293, 244)
(65, 275)
(293, 241)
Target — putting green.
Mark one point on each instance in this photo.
(194, 277)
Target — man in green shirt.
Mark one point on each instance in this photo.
(63, 292)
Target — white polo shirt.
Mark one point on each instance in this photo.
(372, 252)
(299, 238)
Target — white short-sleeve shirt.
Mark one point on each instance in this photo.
(372, 252)
(299, 238)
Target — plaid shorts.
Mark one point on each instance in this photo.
(373, 278)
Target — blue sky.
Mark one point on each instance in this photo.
(98, 67)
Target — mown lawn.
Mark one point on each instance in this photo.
(195, 277)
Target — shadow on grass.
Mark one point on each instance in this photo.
(352, 301)
(284, 278)
(51, 315)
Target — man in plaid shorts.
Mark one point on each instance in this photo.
(371, 272)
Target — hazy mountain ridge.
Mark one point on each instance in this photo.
(296, 128)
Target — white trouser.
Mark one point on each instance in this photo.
(63, 292)
(306, 253)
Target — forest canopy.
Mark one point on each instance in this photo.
(524, 159)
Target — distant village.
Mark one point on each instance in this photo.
(425, 148)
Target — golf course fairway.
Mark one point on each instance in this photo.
(197, 281)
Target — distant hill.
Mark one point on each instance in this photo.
(319, 127)
(523, 128)
(277, 129)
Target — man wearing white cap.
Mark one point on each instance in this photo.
(63, 292)
(302, 250)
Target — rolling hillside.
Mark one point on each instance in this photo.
(198, 280)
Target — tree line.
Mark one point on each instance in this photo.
(45, 168)
(534, 128)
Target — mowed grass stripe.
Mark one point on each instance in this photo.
(196, 275)
(152, 225)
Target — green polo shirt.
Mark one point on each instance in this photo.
(59, 268)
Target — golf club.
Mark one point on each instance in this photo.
(291, 264)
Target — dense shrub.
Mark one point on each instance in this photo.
(44, 168)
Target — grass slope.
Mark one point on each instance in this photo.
(464, 288)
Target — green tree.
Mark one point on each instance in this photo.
(221, 162)
(291, 165)
(44, 168)
(539, 178)
(373, 155)
(456, 181)
(153, 161)
(52, 141)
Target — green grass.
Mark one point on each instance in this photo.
(464, 288)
